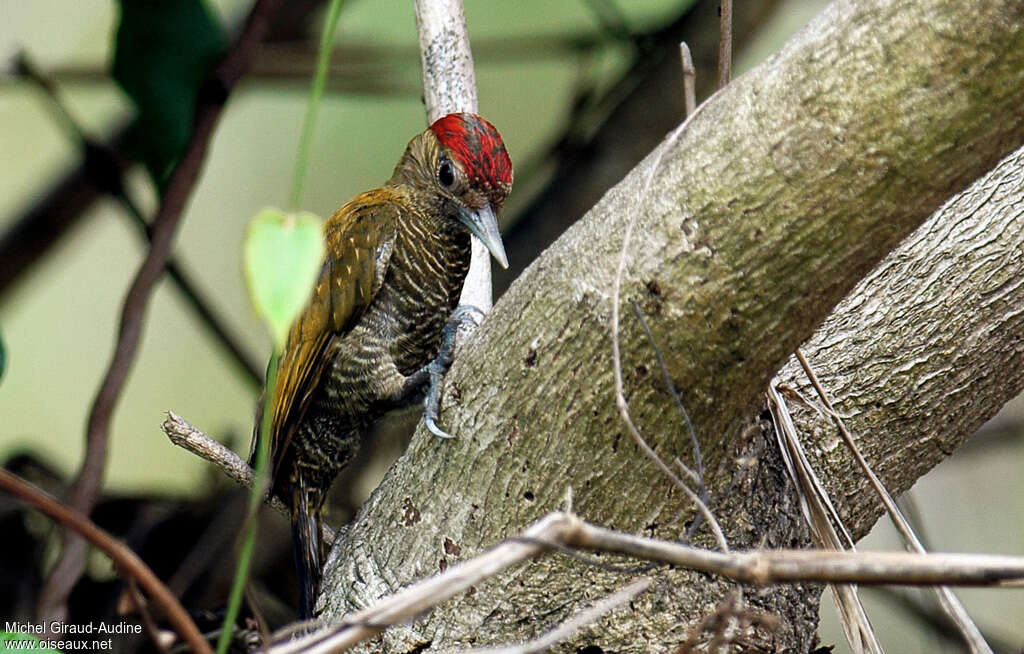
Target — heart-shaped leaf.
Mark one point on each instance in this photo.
(283, 255)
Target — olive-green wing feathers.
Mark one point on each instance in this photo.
(358, 237)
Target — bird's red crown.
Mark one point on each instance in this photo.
(478, 147)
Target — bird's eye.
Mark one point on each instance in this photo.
(445, 174)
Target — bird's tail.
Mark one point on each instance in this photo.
(306, 543)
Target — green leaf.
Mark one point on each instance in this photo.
(3, 357)
(283, 255)
(164, 50)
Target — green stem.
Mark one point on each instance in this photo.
(319, 79)
(255, 500)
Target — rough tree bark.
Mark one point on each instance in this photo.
(926, 348)
(763, 213)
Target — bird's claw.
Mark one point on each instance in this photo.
(435, 430)
(432, 403)
(465, 313)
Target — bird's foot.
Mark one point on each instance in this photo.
(463, 316)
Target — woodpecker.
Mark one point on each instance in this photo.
(396, 258)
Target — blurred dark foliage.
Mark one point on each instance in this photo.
(162, 77)
(189, 544)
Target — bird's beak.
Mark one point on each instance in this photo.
(483, 224)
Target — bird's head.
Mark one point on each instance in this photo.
(462, 161)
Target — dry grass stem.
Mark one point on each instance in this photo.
(821, 515)
(127, 562)
(950, 603)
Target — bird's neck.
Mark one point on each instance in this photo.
(424, 281)
(434, 244)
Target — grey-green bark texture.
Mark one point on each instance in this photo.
(925, 348)
(766, 210)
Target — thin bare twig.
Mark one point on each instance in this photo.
(950, 603)
(85, 489)
(725, 43)
(125, 560)
(586, 559)
(727, 625)
(760, 567)
(185, 435)
(698, 462)
(697, 472)
(133, 595)
(588, 615)
(689, 79)
(428, 593)
(620, 397)
(754, 567)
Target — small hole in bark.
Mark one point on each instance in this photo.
(531, 359)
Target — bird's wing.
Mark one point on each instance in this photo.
(359, 238)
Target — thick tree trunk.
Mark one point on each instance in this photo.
(926, 348)
(764, 212)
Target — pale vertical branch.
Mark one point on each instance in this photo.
(820, 514)
(449, 85)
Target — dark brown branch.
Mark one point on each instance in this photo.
(360, 67)
(126, 561)
(108, 172)
(204, 311)
(85, 490)
(42, 226)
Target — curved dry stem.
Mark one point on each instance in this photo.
(125, 560)
(620, 398)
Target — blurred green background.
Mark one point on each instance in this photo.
(58, 321)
